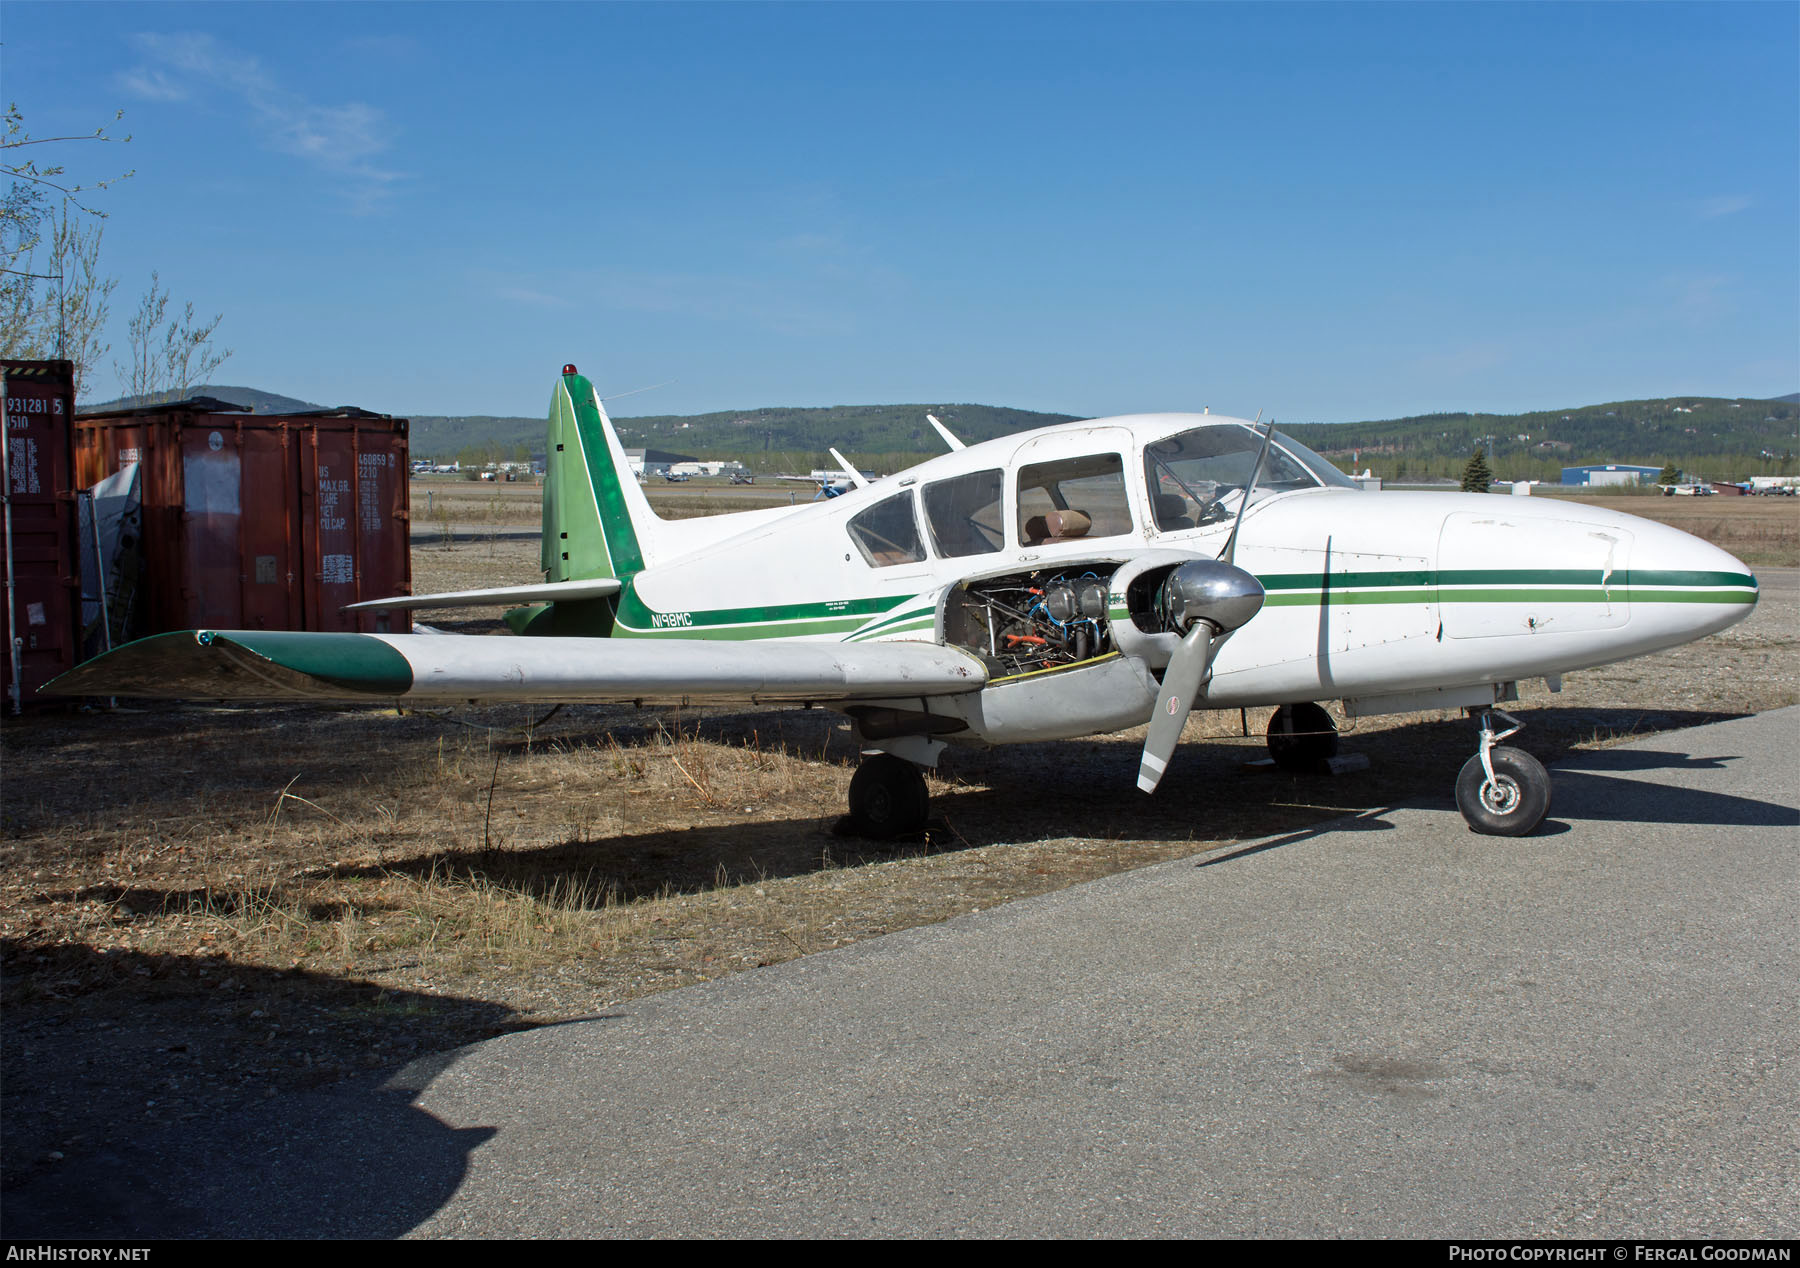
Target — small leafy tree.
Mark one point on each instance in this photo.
(1670, 474)
(41, 209)
(166, 361)
(1476, 476)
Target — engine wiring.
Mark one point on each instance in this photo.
(1036, 621)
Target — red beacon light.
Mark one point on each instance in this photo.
(570, 369)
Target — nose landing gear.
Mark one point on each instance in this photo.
(1502, 791)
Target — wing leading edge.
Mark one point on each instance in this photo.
(265, 665)
(543, 592)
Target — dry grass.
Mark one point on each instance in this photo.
(444, 503)
(1764, 532)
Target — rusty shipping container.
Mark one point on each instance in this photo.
(260, 521)
(43, 572)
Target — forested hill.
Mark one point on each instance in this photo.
(850, 428)
(1709, 436)
(769, 439)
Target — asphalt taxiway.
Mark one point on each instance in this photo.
(1390, 1026)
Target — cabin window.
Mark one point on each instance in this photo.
(888, 533)
(964, 514)
(1073, 498)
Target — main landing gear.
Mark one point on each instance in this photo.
(888, 798)
(1302, 737)
(1502, 791)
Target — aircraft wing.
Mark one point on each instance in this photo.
(284, 665)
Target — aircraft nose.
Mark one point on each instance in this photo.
(1679, 580)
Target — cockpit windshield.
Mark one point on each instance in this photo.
(1192, 476)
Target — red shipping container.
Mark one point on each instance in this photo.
(43, 575)
(260, 521)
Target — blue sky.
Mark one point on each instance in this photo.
(1323, 212)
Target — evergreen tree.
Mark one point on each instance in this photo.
(1670, 474)
(1476, 477)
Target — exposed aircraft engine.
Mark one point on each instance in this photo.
(1032, 621)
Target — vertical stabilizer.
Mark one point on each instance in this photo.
(597, 522)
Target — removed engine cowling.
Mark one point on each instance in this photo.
(1025, 622)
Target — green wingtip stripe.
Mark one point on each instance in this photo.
(358, 662)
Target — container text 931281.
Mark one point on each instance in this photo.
(43, 586)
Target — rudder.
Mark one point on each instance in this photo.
(597, 522)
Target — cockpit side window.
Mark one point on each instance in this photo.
(1073, 497)
(1192, 478)
(964, 514)
(888, 532)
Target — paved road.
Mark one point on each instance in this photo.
(1386, 1027)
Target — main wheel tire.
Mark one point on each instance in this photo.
(1514, 804)
(1301, 736)
(888, 798)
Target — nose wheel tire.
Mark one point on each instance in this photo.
(1513, 803)
(888, 798)
(1301, 736)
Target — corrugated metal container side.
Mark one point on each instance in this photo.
(261, 521)
(43, 574)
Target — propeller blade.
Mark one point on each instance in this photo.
(1181, 684)
(1209, 599)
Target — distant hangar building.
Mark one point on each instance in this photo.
(1610, 473)
(649, 462)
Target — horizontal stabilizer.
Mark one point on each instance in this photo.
(508, 596)
(264, 665)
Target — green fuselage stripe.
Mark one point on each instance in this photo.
(852, 617)
(1618, 594)
(788, 620)
(1501, 576)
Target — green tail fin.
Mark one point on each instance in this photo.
(588, 526)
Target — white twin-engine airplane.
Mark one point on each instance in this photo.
(1083, 578)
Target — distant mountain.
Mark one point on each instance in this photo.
(863, 429)
(1793, 398)
(259, 401)
(1720, 438)
(445, 438)
(1707, 434)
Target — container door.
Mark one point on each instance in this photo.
(271, 582)
(331, 548)
(383, 551)
(212, 525)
